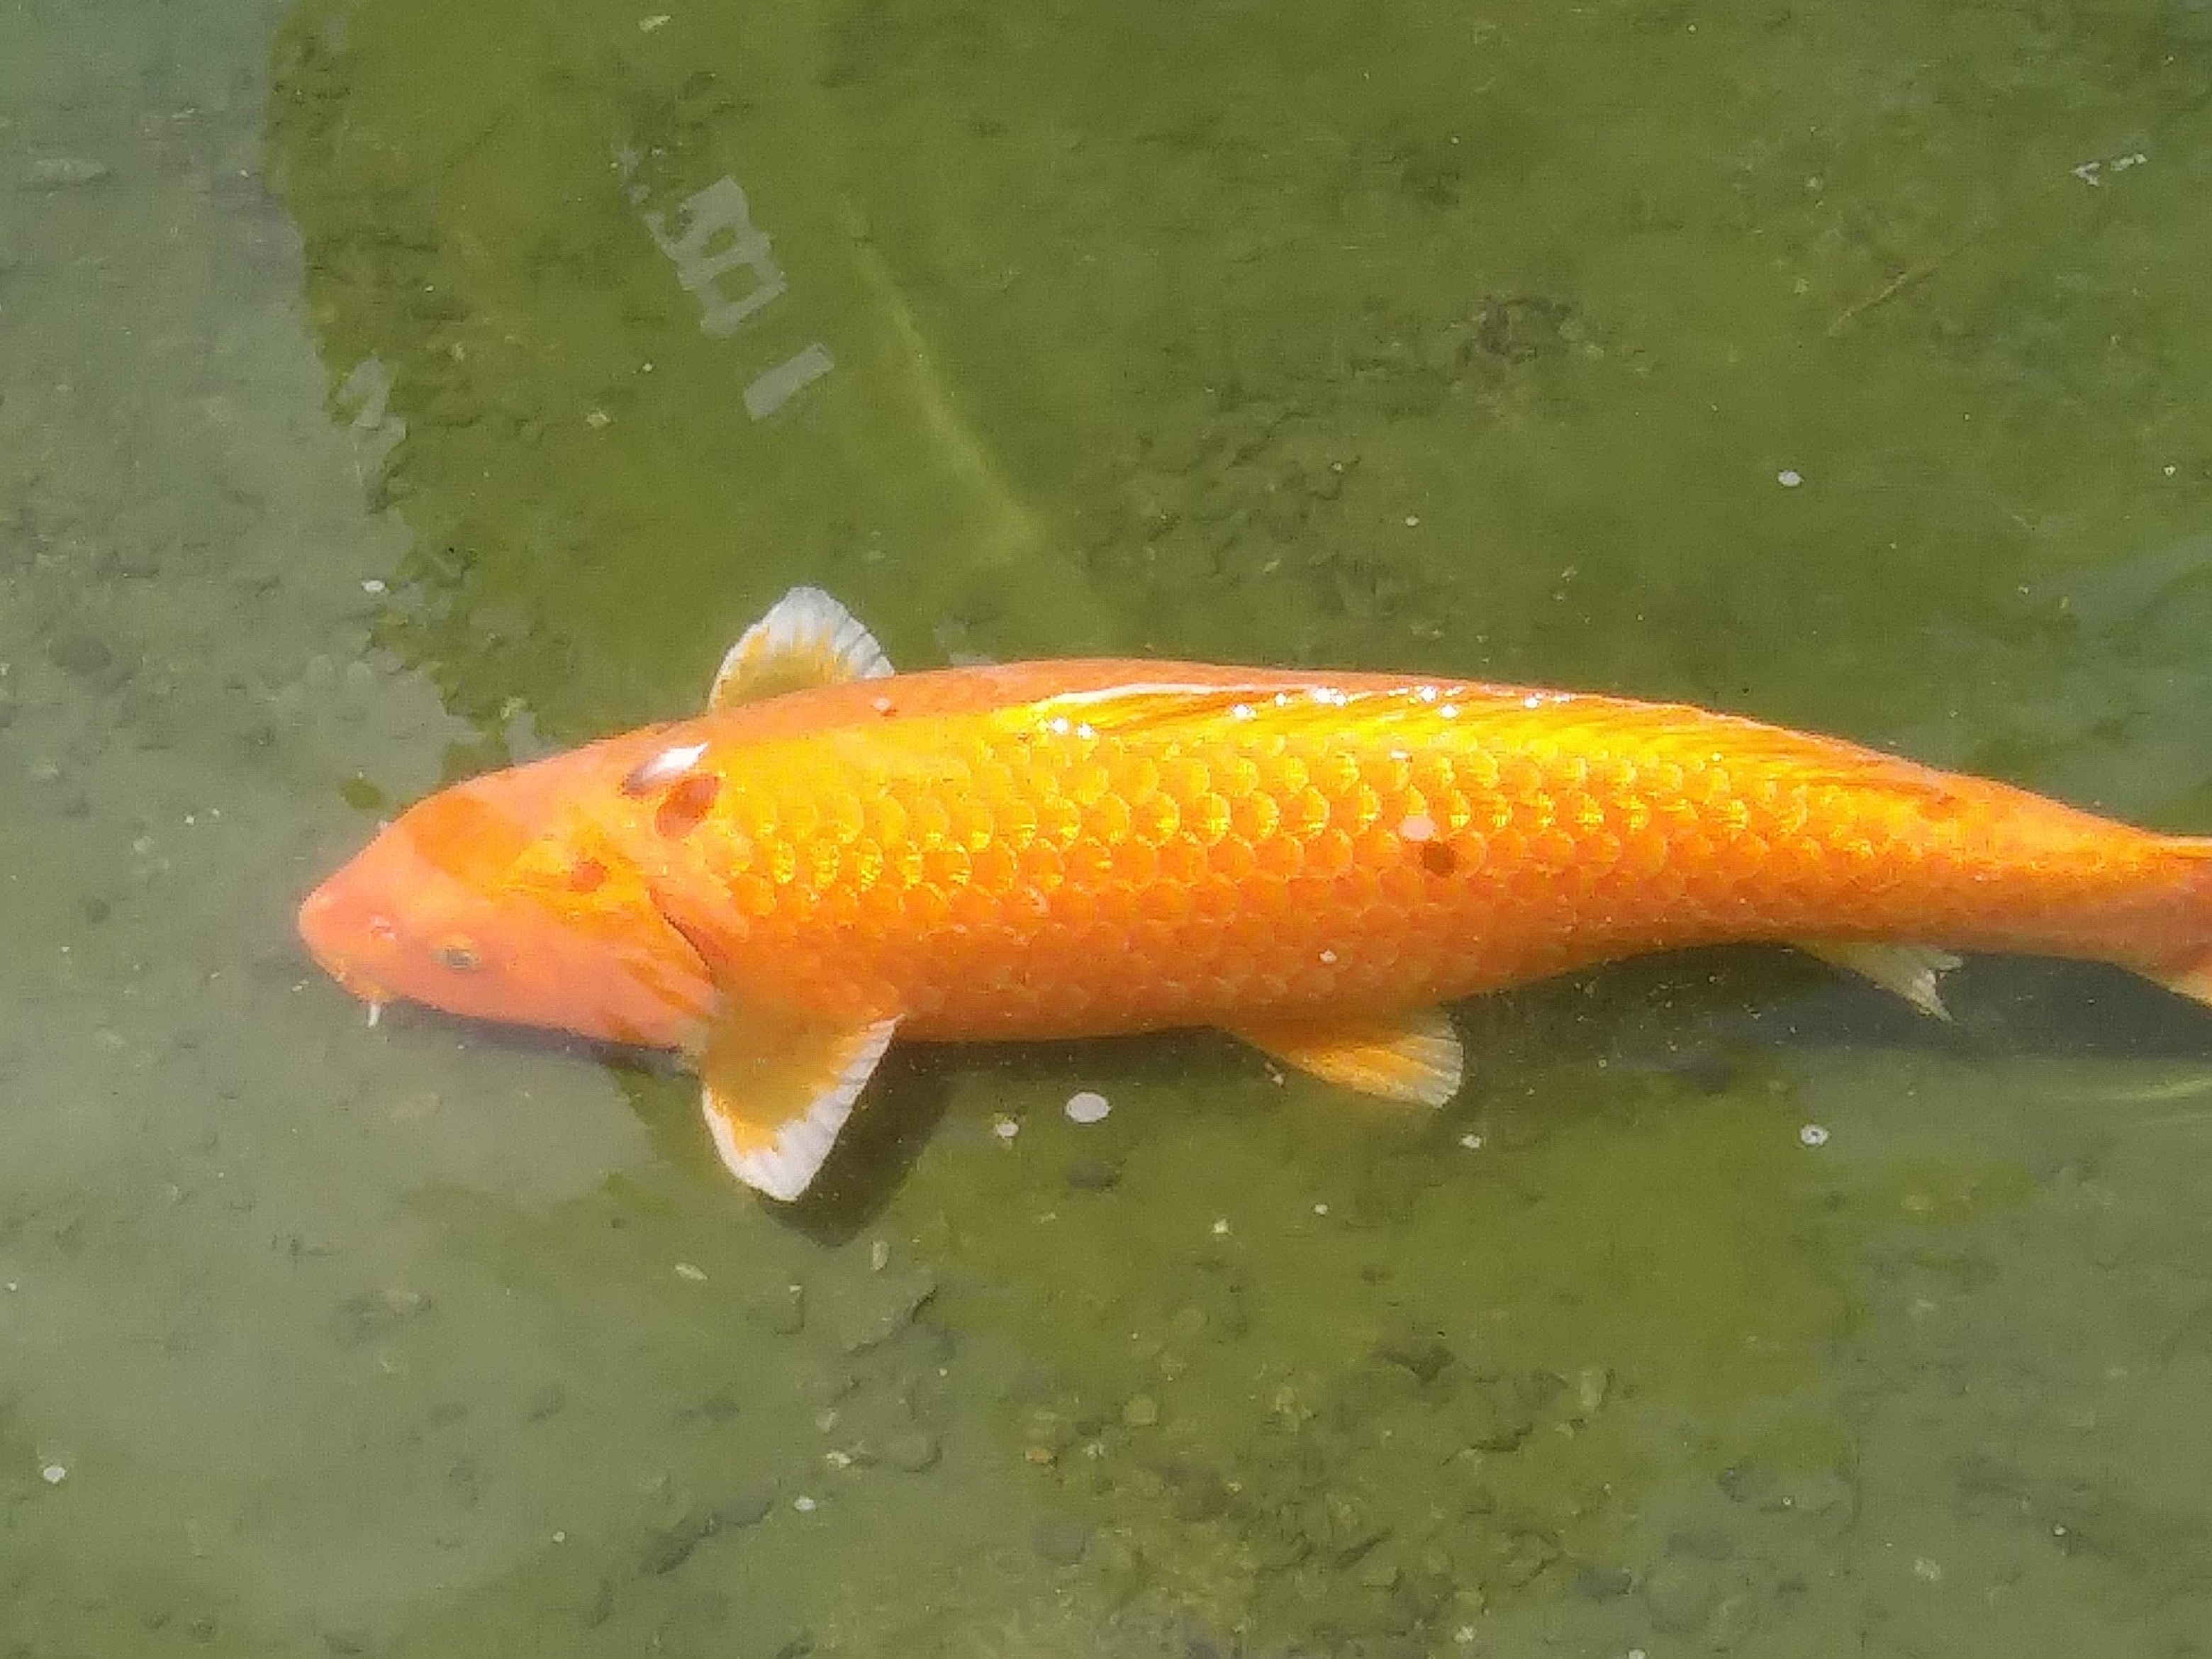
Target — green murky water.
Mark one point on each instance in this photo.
(388, 388)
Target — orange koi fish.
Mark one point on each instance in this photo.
(832, 856)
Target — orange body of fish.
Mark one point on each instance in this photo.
(833, 855)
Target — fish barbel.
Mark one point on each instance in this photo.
(1317, 862)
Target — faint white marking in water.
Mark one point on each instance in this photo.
(1789, 477)
(696, 1275)
(1473, 1143)
(2091, 173)
(54, 1473)
(776, 387)
(803, 1504)
(1813, 1135)
(1221, 1228)
(1005, 1128)
(718, 239)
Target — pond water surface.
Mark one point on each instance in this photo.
(390, 389)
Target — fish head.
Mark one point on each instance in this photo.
(495, 900)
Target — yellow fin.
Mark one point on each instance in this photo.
(1909, 970)
(1413, 1057)
(807, 638)
(775, 1091)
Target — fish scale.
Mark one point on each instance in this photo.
(991, 874)
(1315, 861)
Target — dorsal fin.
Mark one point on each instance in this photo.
(806, 638)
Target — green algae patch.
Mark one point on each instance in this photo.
(1542, 347)
(1318, 1374)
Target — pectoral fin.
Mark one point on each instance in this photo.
(806, 638)
(1909, 970)
(1414, 1056)
(776, 1092)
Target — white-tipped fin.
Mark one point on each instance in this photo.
(807, 638)
(1911, 971)
(776, 1092)
(1414, 1056)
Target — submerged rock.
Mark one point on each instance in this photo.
(1061, 1540)
(871, 1312)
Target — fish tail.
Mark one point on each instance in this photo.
(2184, 966)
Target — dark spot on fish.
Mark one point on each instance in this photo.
(589, 876)
(1438, 858)
(682, 808)
(459, 958)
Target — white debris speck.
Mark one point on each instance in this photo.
(1412, 522)
(1241, 711)
(1813, 1135)
(1320, 1209)
(1087, 1106)
(597, 420)
(646, 26)
(838, 1460)
(879, 1255)
(803, 1504)
(1418, 827)
(559, 1537)
(1004, 1127)
(1221, 1228)
(1789, 477)
(372, 585)
(697, 1275)
(375, 1013)
(1464, 1636)
(670, 763)
(1473, 1143)
(1924, 1567)
(53, 1475)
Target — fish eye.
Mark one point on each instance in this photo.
(461, 958)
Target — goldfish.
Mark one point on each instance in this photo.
(832, 856)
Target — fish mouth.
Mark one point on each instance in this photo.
(317, 922)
